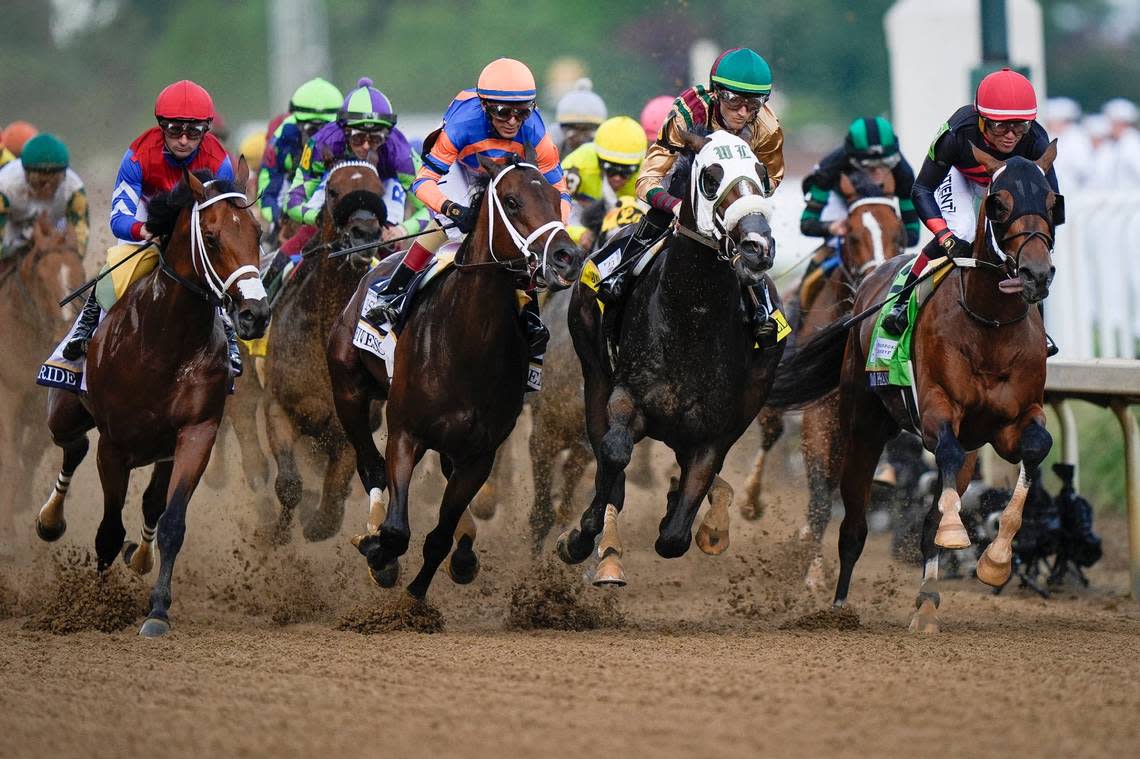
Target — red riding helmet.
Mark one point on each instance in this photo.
(184, 101)
(1006, 96)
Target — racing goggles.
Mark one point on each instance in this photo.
(1002, 128)
(735, 101)
(619, 169)
(309, 128)
(502, 112)
(878, 161)
(194, 130)
(358, 138)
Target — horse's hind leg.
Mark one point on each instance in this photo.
(243, 415)
(573, 468)
(114, 474)
(383, 549)
(462, 485)
(68, 422)
(353, 388)
(140, 556)
(327, 520)
(771, 425)
(820, 445)
(191, 454)
(288, 486)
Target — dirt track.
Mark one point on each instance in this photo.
(713, 656)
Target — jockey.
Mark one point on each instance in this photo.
(154, 163)
(314, 104)
(579, 114)
(602, 171)
(13, 138)
(951, 182)
(736, 101)
(364, 124)
(496, 118)
(40, 182)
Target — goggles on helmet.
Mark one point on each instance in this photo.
(195, 130)
(619, 169)
(311, 127)
(358, 138)
(1000, 128)
(736, 101)
(878, 161)
(504, 112)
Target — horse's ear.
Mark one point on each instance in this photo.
(1047, 158)
(197, 189)
(694, 142)
(491, 167)
(846, 188)
(996, 207)
(241, 176)
(988, 162)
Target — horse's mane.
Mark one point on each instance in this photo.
(164, 208)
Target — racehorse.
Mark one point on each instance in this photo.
(31, 286)
(299, 392)
(687, 370)
(157, 375)
(979, 373)
(875, 234)
(460, 371)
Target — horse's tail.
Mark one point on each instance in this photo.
(812, 369)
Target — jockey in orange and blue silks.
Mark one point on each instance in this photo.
(494, 120)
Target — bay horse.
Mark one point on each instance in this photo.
(875, 234)
(460, 371)
(298, 389)
(686, 372)
(157, 375)
(32, 284)
(979, 373)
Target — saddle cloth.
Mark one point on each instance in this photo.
(59, 372)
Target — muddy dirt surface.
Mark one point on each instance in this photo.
(729, 655)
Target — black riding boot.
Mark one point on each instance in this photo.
(896, 321)
(232, 346)
(391, 298)
(537, 336)
(650, 229)
(88, 321)
(765, 330)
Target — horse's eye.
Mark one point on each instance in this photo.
(512, 203)
(210, 239)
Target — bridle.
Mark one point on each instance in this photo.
(533, 264)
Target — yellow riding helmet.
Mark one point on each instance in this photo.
(621, 140)
(253, 148)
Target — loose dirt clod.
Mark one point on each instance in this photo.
(85, 599)
(826, 619)
(405, 614)
(552, 598)
(297, 598)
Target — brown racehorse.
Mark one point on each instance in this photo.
(31, 286)
(979, 362)
(875, 234)
(157, 375)
(460, 371)
(299, 392)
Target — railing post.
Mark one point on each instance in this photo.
(1131, 431)
(1070, 440)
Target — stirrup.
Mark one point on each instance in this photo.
(1051, 348)
(76, 348)
(387, 309)
(896, 322)
(611, 290)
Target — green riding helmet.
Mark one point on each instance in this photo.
(742, 71)
(316, 100)
(44, 152)
(872, 142)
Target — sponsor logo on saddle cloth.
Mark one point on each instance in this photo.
(889, 359)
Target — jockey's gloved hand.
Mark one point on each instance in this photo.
(463, 216)
(953, 245)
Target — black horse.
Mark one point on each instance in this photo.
(687, 371)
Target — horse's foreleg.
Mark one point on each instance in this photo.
(383, 549)
(140, 556)
(486, 501)
(68, 422)
(950, 459)
(243, 415)
(464, 483)
(288, 485)
(712, 535)
(925, 618)
(114, 474)
(770, 422)
(572, 470)
(328, 518)
(191, 454)
(698, 468)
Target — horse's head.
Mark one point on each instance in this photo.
(225, 250)
(726, 202)
(354, 209)
(521, 215)
(875, 230)
(50, 270)
(1018, 219)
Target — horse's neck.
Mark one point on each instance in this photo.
(981, 284)
(170, 309)
(698, 274)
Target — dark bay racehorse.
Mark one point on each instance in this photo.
(875, 234)
(979, 363)
(300, 399)
(460, 371)
(31, 285)
(686, 371)
(157, 375)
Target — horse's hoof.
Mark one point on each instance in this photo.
(992, 572)
(609, 573)
(951, 533)
(712, 541)
(671, 549)
(464, 570)
(322, 526)
(140, 561)
(752, 509)
(388, 576)
(48, 533)
(154, 628)
(562, 548)
(925, 619)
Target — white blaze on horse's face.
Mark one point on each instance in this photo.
(738, 163)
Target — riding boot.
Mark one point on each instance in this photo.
(391, 299)
(898, 318)
(232, 346)
(765, 330)
(537, 336)
(652, 225)
(88, 320)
